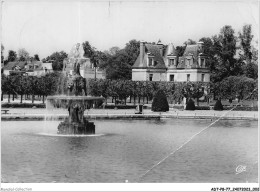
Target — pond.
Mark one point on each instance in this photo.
(123, 150)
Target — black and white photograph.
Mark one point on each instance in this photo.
(129, 95)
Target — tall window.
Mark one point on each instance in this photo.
(150, 77)
(188, 63)
(150, 61)
(202, 77)
(188, 77)
(171, 77)
(171, 62)
(202, 62)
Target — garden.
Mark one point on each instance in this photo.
(126, 93)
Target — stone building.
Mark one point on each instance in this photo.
(87, 69)
(157, 62)
(30, 68)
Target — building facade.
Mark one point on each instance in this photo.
(157, 62)
(30, 68)
(87, 69)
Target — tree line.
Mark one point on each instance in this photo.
(229, 54)
(136, 91)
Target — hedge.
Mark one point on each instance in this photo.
(120, 106)
(202, 108)
(241, 108)
(23, 105)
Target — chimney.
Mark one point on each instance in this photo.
(201, 46)
(141, 52)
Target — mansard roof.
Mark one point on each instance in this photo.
(191, 51)
(11, 65)
(154, 51)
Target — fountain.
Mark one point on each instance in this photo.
(76, 99)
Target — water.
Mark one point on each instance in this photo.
(125, 149)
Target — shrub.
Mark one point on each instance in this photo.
(160, 103)
(218, 106)
(190, 105)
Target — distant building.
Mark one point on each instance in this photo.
(31, 68)
(14, 67)
(87, 69)
(157, 62)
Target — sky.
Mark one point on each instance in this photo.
(44, 27)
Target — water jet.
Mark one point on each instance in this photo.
(76, 99)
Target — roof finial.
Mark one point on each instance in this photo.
(159, 42)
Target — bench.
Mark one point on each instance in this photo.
(5, 111)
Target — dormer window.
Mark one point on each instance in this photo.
(150, 61)
(188, 62)
(171, 62)
(202, 61)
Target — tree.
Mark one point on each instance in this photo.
(113, 50)
(12, 56)
(2, 53)
(48, 85)
(180, 50)
(23, 55)
(245, 38)
(209, 51)
(7, 86)
(251, 70)
(36, 57)
(34, 86)
(192, 90)
(117, 66)
(160, 103)
(22, 85)
(226, 89)
(89, 51)
(244, 87)
(57, 60)
(4, 87)
(255, 53)
(189, 42)
(132, 50)
(225, 50)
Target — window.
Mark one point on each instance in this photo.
(150, 77)
(150, 61)
(171, 62)
(202, 77)
(202, 62)
(188, 63)
(188, 77)
(171, 77)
